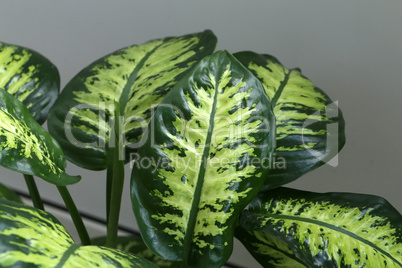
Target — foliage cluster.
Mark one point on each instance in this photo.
(213, 137)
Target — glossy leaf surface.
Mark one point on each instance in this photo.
(291, 228)
(30, 77)
(203, 162)
(33, 238)
(26, 147)
(137, 77)
(136, 246)
(309, 126)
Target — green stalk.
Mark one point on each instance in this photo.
(115, 204)
(109, 183)
(75, 215)
(33, 191)
(117, 183)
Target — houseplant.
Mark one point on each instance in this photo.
(211, 137)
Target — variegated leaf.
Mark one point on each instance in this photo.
(33, 238)
(137, 77)
(308, 229)
(97, 256)
(268, 250)
(9, 194)
(136, 246)
(30, 77)
(309, 126)
(26, 147)
(203, 162)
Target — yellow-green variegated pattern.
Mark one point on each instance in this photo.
(26, 147)
(309, 126)
(137, 77)
(268, 250)
(208, 144)
(322, 230)
(30, 77)
(33, 238)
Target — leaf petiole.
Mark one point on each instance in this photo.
(115, 184)
(33, 191)
(75, 215)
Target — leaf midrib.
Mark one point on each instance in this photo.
(333, 227)
(200, 181)
(282, 86)
(67, 255)
(124, 97)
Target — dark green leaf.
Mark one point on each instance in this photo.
(304, 229)
(137, 77)
(9, 194)
(33, 238)
(26, 147)
(30, 77)
(203, 162)
(310, 129)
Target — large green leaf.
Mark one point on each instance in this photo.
(30, 237)
(309, 126)
(203, 162)
(26, 147)
(291, 228)
(137, 77)
(30, 77)
(136, 246)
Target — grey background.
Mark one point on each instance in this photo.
(350, 49)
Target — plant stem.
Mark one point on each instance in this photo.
(109, 183)
(115, 204)
(33, 191)
(116, 183)
(75, 215)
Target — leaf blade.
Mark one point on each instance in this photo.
(267, 250)
(217, 120)
(138, 77)
(26, 147)
(331, 229)
(30, 77)
(136, 246)
(21, 224)
(96, 256)
(310, 127)
(32, 237)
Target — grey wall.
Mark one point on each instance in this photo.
(350, 49)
